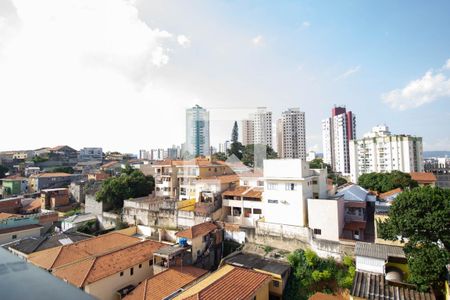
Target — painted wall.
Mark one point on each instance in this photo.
(326, 215)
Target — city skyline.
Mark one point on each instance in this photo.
(159, 62)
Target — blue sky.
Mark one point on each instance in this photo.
(384, 60)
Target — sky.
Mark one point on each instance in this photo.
(119, 74)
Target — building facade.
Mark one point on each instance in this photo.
(380, 151)
(258, 128)
(91, 153)
(197, 131)
(337, 131)
(291, 134)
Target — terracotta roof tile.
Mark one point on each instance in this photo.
(165, 283)
(423, 177)
(222, 178)
(238, 284)
(197, 230)
(252, 192)
(56, 174)
(94, 268)
(4, 215)
(62, 255)
(390, 193)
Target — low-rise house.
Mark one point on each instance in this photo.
(98, 176)
(166, 283)
(243, 205)
(279, 271)
(382, 259)
(78, 220)
(26, 246)
(150, 211)
(288, 183)
(31, 171)
(382, 207)
(108, 275)
(14, 185)
(205, 239)
(326, 218)
(11, 205)
(231, 283)
(59, 256)
(54, 199)
(356, 215)
(424, 178)
(91, 154)
(9, 234)
(42, 181)
(375, 286)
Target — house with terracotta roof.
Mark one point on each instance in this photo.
(42, 181)
(66, 254)
(205, 239)
(230, 283)
(110, 275)
(14, 185)
(166, 283)
(243, 205)
(424, 178)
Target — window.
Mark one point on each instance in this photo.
(272, 201)
(131, 271)
(317, 231)
(121, 274)
(291, 186)
(314, 181)
(260, 183)
(150, 262)
(140, 266)
(245, 182)
(257, 211)
(272, 186)
(14, 236)
(276, 283)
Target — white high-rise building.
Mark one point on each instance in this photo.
(258, 129)
(197, 131)
(291, 134)
(380, 151)
(337, 131)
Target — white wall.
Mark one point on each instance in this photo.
(369, 264)
(8, 237)
(326, 215)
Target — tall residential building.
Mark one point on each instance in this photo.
(197, 131)
(337, 131)
(258, 128)
(380, 151)
(291, 134)
(247, 132)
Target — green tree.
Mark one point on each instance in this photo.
(130, 184)
(318, 163)
(236, 149)
(248, 155)
(235, 133)
(3, 171)
(219, 156)
(38, 159)
(383, 182)
(421, 217)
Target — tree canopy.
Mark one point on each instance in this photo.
(318, 163)
(235, 133)
(383, 182)
(130, 183)
(3, 171)
(69, 170)
(421, 217)
(248, 155)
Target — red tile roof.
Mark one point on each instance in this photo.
(238, 284)
(197, 230)
(58, 256)
(165, 283)
(423, 177)
(244, 191)
(56, 174)
(94, 268)
(4, 215)
(390, 193)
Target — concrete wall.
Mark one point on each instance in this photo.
(8, 237)
(92, 206)
(369, 264)
(325, 214)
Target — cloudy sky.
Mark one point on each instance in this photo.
(120, 74)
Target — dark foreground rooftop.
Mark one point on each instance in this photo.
(254, 261)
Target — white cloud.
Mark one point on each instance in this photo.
(348, 73)
(184, 41)
(447, 65)
(258, 40)
(306, 24)
(430, 87)
(80, 62)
